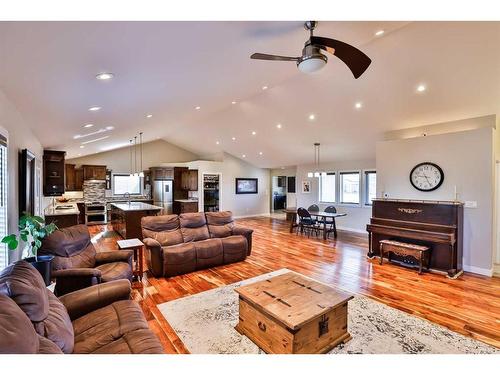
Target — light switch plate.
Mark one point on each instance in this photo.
(470, 204)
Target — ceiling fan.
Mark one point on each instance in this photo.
(313, 60)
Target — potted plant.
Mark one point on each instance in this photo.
(32, 229)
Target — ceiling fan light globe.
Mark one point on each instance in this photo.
(311, 65)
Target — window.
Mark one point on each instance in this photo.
(124, 183)
(4, 256)
(349, 187)
(327, 187)
(370, 187)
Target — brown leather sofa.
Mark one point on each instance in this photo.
(77, 265)
(98, 319)
(193, 241)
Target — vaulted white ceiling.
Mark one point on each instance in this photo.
(168, 68)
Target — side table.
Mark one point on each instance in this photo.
(137, 246)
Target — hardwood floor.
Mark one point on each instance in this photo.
(469, 305)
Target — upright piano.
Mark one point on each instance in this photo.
(437, 224)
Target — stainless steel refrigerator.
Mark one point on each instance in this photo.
(163, 195)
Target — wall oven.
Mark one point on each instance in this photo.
(95, 213)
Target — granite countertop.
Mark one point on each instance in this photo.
(135, 206)
(54, 211)
(187, 200)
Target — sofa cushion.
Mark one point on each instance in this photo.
(220, 224)
(115, 271)
(47, 347)
(17, 335)
(208, 253)
(71, 246)
(57, 325)
(234, 248)
(194, 227)
(179, 259)
(141, 341)
(165, 229)
(101, 327)
(24, 284)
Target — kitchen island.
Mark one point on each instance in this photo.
(126, 217)
(63, 215)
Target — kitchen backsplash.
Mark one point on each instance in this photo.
(94, 191)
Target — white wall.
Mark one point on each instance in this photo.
(357, 215)
(467, 159)
(154, 154)
(230, 168)
(19, 137)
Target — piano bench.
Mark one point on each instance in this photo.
(405, 249)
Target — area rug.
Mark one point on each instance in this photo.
(205, 323)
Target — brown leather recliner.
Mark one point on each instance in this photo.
(98, 319)
(193, 241)
(76, 263)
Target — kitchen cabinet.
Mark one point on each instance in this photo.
(79, 179)
(184, 206)
(53, 173)
(161, 173)
(70, 178)
(179, 187)
(189, 180)
(94, 172)
(108, 179)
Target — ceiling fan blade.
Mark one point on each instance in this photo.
(355, 60)
(265, 56)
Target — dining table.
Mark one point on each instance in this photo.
(291, 214)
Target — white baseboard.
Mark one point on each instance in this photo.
(253, 215)
(496, 270)
(347, 229)
(478, 270)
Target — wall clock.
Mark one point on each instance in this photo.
(426, 176)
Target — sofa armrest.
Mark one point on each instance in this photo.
(154, 256)
(245, 232)
(95, 297)
(71, 279)
(114, 256)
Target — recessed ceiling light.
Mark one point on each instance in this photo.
(79, 154)
(197, 108)
(254, 132)
(312, 116)
(104, 76)
(233, 102)
(94, 109)
(380, 32)
(421, 88)
(88, 125)
(279, 126)
(260, 153)
(234, 138)
(358, 105)
(82, 146)
(244, 156)
(264, 87)
(217, 143)
(149, 116)
(109, 127)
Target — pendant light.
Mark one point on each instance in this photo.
(317, 172)
(141, 173)
(130, 158)
(135, 157)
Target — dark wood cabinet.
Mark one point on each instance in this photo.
(79, 179)
(53, 173)
(70, 178)
(182, 207)
(189, 180)
(94, 172)
(161, 173)
(179, 188)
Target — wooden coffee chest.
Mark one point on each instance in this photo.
(290, 313)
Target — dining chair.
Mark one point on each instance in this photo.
(306, 223)
(330, 221)
(313, 208)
